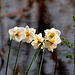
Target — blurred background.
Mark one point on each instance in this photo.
(41, 15)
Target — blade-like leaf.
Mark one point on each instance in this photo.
(41, 62)
(35, 55)
(17, 57)
(8, 58)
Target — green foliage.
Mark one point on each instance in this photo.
(69, 46)
(69, 56)
(63, 38)
(61, 44)
(66, 42)
(73, 25)
(59, 51)
(17, 58)
(73, 62)
(41, 62)
(35, 55)
(73, 18)
(6, 73)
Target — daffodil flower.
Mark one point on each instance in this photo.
(52, 44)
(52, 38)
(37, 40)
(50, 33)
(17, 33)
(30, 33)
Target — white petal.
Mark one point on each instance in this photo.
(11, 31)
(22, 30)
(27, 40)
(57, 40)
(18, 39)
(47, 32)
(15, 28)
(32, 30)
(58, 32)
(54, 46)
(39, 36)
(27, 29)
(34, 43)
(51, 49)
(11, 36)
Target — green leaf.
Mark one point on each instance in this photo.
(67, 42)
(63, 38)
(73, 25)
(69, 46)
(57, 49)
(35, 55)
(6, 73)
(69, 56)
(73, 18)
(73, 62)
(17, 57)
(60, 52)
(41, 62)
(64, 42)
(61, 44)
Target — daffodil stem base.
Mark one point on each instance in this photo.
(41, 62)
(36, 53)
(8, 57)
(17, 58)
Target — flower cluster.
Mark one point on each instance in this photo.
(50, 41)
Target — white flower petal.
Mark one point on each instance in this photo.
(17, 33)
(11, 31)
(35, 43)
(15, 28)
(27, 29)
(18, 39)
(56, 31)
(32, 30)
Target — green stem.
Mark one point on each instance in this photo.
(36, 53)
(41, 62)
(17, 58)
(8, 57)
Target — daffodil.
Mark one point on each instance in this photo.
(30, 33)
(37, 40)
(50, 33)
(52, 38)
(52, 44)
(17, 33)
